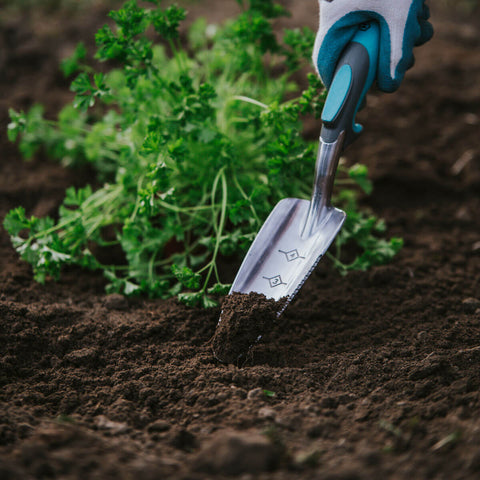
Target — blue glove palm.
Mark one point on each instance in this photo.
(403, 25)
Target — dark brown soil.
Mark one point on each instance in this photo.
(375, 375)
(244, 320)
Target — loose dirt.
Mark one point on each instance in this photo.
(372, 375)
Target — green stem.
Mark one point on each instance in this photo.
(246, 197)
(137, 201)
(220, 227)
(250, 100)
(176, 54)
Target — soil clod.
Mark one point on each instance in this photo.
(243, 321)
(234, 453)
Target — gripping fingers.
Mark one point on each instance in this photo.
(425, 26)
(403, 24)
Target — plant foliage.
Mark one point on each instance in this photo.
(193, 142)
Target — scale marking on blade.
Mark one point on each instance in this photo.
(257, 262)
(292, 255)
(275, 281)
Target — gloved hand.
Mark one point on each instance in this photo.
(403, 25)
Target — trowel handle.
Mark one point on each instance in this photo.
(354, 75)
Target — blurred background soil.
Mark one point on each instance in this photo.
(373, 375)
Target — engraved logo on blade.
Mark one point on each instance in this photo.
(275, 281)
(292, 255)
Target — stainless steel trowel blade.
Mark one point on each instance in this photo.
(282, 256)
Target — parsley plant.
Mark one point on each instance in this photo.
(193, 141)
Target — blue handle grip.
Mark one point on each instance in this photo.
(354, 75)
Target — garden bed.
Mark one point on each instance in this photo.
(372, 375)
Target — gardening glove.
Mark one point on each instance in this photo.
(403, 25)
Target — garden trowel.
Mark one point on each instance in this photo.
(298, 232)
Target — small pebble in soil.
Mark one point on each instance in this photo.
(115, 428)
(245, 318)
(255, 394)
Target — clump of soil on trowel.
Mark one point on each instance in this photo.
(244, 319)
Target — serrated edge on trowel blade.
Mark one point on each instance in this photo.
(281, 259)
